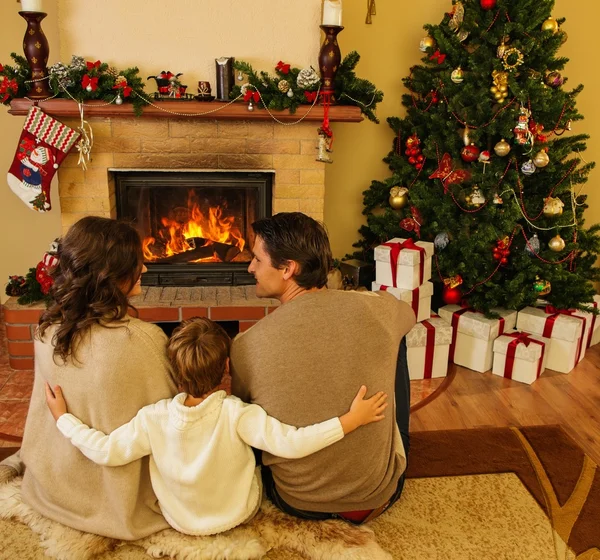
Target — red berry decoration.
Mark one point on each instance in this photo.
(413, 151)
(470, 153)
(488, 4)
(501, 251)
(451, 296)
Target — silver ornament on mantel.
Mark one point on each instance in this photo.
(250, 106)
(533, 247)
(119, 100)
(307, 77)
(441, 241)
(290, 93)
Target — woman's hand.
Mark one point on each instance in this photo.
(56, 402)
(364, 411)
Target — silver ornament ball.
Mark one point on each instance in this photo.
(290, 93)
(88, 88)
(119, 100)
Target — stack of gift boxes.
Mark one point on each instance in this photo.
(403, 268)
(516, 346)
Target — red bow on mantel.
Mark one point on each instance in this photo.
(282, 67)
(555, 314)
(310, 96)
(88, 81)
(126, 89)
(448, 174)
(438, 56)
(252, 96)
(520, 338)
(92, 65)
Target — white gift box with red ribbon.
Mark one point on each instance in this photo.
(593, 336)
(520, 356)
(427, 349)
(419, 298)
(474, 334)
(403, 263)
(565, 328)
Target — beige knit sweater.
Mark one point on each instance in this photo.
(303, 364)
(121, 371)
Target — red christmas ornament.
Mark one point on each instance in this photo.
(470, 153)
(488, 4)
(451, 296)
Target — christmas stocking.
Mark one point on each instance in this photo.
(43, 145)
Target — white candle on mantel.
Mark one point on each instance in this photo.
(332, 12)
(31, 6)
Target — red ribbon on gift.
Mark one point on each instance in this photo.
(252, 95)
(395, 249)
(592, 326)
(520, 338)
(456, 318)
(429, 349)
(415, 299)
(88, 81)
(555, 314)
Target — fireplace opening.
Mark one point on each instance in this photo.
(195, 226)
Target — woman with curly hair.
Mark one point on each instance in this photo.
(109, 365)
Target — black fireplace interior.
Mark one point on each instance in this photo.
(195, 225)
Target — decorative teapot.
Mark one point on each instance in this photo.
(168, 84)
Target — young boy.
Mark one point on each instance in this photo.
(202, 466)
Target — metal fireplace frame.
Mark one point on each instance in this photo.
(197, 274)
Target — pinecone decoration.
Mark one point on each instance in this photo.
(307, 78)
(113, 73)
(283, 86)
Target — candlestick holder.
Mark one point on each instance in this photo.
(329, 59)
(35, 47)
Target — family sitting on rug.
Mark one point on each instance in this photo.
(301, 365)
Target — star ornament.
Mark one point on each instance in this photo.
(449, 175)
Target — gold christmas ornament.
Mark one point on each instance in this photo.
(500, 87)
(464, 133)
(557, 244)
(541, 287)
(457, 76)
(398, 197)
(503, 47)
(550, 25)
(502, 148)
(541, 159)
(426, 43)
(283, 86)
(553, 207)
(477, 198)
(512, 59)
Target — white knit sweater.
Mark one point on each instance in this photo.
(201, 466)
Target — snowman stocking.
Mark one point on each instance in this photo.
(42, 147)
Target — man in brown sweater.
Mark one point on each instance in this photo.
(304, 362)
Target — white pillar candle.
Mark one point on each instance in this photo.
(332, 12)
(31, 6)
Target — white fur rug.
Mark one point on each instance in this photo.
(269, 531)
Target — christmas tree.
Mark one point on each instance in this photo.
(484, 163)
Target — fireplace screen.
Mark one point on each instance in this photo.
(195, 226)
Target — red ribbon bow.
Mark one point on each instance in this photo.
(438, 56)
(89, 81)
(123, 85)
(283, 68)
(92, 65)
(310, 96)
(252, 95)
(520, 338)
(395, 249)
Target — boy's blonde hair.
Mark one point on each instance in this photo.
(198, 351)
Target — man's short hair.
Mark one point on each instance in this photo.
(293, 236)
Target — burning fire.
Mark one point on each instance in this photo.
(199, 230)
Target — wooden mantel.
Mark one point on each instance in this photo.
(237, 111)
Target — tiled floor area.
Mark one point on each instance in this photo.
(15, 390)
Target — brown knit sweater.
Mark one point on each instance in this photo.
(303, 364)
(121, 371)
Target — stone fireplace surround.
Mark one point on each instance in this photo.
(236, 141)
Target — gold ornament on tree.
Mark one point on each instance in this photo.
(503, 47)
(398, 197)
(464, 133)
(502, 148)
(457, 76)
(541, 159)
(457, 15)
(553, 207)
(500, 87)
(512, 59)
(476, 198)
(541, 287)
(557, 244)
(550, 25)
(426, 43)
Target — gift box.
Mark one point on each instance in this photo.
(593, 336)
(427, 348)
(402, 263)
(564, 328)
(520, 356)
(419, 298)
(474, 334)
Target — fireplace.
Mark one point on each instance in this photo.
(195, 225)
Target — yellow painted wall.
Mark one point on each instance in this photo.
(186, 36)
(24, 233)
(388, 48)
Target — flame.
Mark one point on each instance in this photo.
(175, 236)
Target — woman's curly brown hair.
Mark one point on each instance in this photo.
(100, 260)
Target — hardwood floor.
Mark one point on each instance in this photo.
(475, 400)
